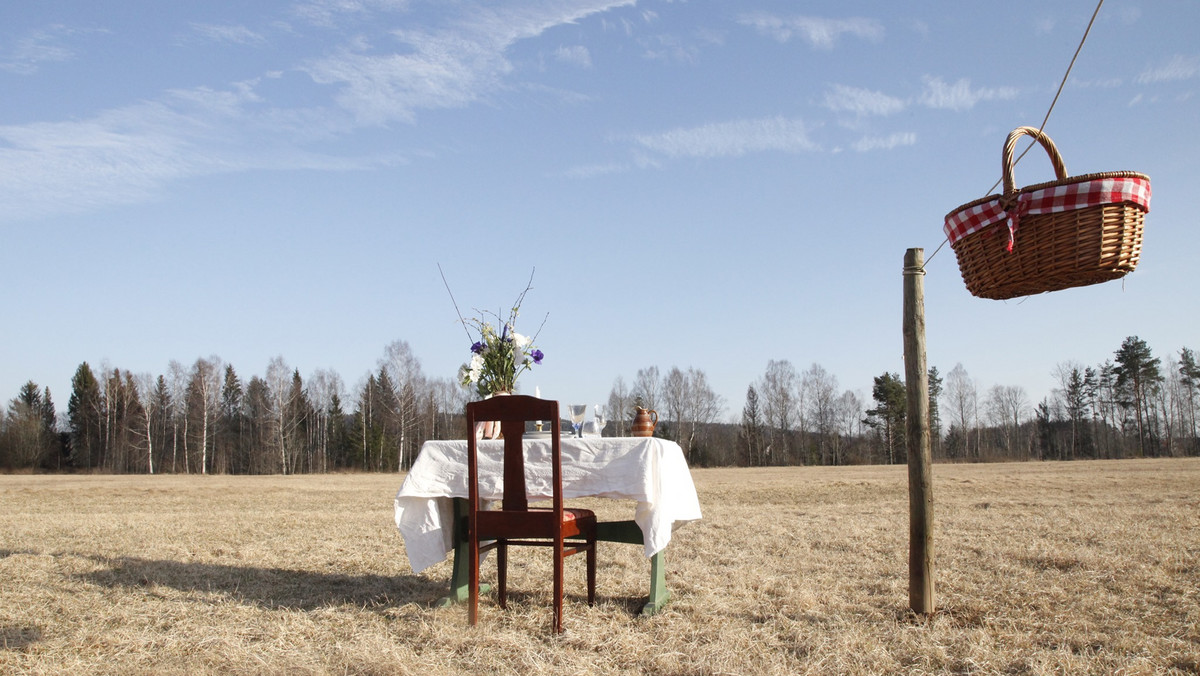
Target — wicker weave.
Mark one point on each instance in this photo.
(1050, 252)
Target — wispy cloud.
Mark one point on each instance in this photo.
(28, 53)
(237, 35)
(1178, 68)
(842, 98)
(576, 55)
(439, 68)
(732, 139)
(129, 155)
(960, 95)
(869, 143)
(132, 153)
(818, 32)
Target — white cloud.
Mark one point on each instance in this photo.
(732, 139)
(1178, 68)
(594, 170)
(960, 95)
(843, 98)
(238, 35)
(38, 47)
(577, 55)
(128, 155)
(868, 143)
(439, 68)
(818, 32)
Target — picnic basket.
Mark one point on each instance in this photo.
(1060, 234)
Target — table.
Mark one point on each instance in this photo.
(430, 507)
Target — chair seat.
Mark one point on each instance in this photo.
(536, 522)
(576, 514)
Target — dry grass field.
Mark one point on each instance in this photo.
(1085, 567)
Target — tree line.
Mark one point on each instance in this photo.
(205, 419)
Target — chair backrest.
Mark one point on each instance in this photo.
(512, 412)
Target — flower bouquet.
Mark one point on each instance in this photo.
(498, 357)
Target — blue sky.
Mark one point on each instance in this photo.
(697, 184)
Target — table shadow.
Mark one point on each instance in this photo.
(273, 588)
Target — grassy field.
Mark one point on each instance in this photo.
(1085, 567)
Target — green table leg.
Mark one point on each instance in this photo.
(460, 574)
(659, 594)
(628, 532)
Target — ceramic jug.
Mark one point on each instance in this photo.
(644, 422)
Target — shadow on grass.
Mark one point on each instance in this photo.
(19, 638)
(279, 588)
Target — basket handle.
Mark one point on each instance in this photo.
(1006, 160)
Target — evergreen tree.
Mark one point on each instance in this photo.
(752, 432)
(935, 416)
(230, 451)
(339, 433)
(85, 417)
(889, 414)
(29, 437)
(1138, 376)
(261, 438)
(1189, 376)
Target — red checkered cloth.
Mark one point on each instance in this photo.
(1049, 200)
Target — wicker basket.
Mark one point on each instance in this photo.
(1060, 234)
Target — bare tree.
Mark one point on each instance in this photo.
(279, 385)
(204, 390)
(1007, 407)
(148, 395)
(701, 405)
(647, 386)
(777, 393)
(404, 370)
(674, 395)
(620, 406)
(821, 399)
(850, 414)
(323, 387)
(962, 403)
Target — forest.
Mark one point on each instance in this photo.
(204, 419)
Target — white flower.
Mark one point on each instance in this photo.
(520, 342)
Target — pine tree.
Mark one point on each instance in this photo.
(1138, 376)
(85, 417)
(752, 433)
(888, 416)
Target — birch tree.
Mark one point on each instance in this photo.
(777, 392)
(821, 400)
(962, 404)
(619, 408)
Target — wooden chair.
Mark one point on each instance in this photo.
(567, 531)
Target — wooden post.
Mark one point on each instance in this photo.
(920, 473)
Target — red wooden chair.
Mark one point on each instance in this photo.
(567, 531)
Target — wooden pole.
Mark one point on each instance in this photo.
(920, 473)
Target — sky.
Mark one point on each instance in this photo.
(691, 184)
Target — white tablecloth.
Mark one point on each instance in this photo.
(650, 471)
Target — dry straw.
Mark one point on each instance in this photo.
(1080, 568)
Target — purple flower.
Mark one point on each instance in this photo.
(478, 347)
(537, 356)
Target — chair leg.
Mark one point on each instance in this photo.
(473, 584)
(502, 573)
(591, 572)
(558, 585)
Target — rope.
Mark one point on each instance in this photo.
(1041, 127)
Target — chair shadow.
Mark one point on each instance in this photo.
(272, 588)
